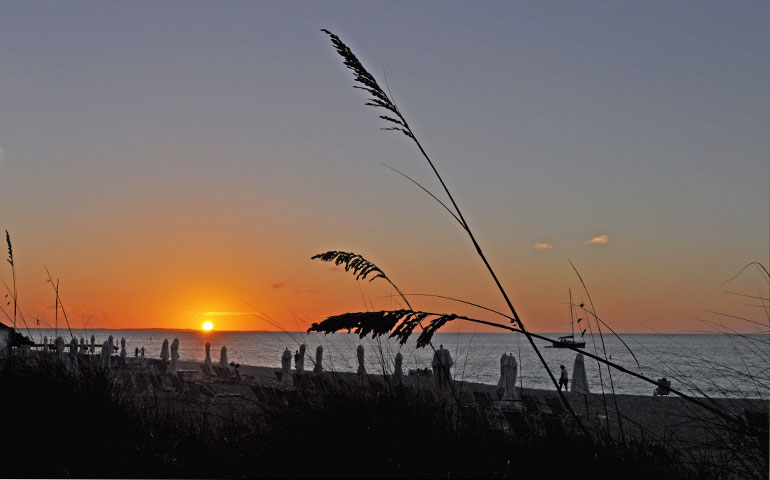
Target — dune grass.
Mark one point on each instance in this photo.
(82, 423)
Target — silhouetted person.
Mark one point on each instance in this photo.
(564, 379)
(142, 351)
(664, 387)
(136, 352)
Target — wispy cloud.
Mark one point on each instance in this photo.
(599, 240)
(221, 314)
(542, 246)
(277, 285)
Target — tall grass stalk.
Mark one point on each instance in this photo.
(397, 122)
(59, 303)
(403, 322)
(13, 273)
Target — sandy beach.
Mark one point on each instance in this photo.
(670, 420)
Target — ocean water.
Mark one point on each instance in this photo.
(717, 365)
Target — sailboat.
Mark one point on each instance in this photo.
(568, 341)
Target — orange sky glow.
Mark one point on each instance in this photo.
(170, 168)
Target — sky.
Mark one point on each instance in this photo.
(173, 162)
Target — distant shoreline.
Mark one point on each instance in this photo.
(302, 332)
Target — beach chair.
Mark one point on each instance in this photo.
(261, 397)
(482, 400)
(272, 394)
(466, 398)
(758, 427)
(177, 383)
(140, 381)
(323, 383)
(518, 423)
(470, 416)
(532, 407)
(554, 426)
(233, 374)
(127, 380)
(154, 378)
(157, 365)
(308, 381)
(556, 406)
(292, 398)
(483, 406)
(206, 390)
(206, 370)
(166, 383)
(559, 412)
(663, 389)
(377, 389)
(196, 391)
(757, 419)
(494, 396)
(188, 375)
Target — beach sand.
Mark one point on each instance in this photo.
(670, 420)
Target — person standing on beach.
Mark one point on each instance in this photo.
(564, 379)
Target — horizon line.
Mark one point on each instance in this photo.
(678, 332)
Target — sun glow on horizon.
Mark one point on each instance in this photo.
(207, 326)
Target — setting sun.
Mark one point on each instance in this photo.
(208, 325)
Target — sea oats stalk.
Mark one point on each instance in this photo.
(378, 323)
(604, 351)
(13, 272)
(360, 267)
(380, 99)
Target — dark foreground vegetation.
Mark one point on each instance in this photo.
(62, 423)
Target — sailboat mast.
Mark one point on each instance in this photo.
(571, 318)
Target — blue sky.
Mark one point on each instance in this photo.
(154, 151)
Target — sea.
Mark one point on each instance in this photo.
(715, 365)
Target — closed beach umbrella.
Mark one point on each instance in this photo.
(74, 348)
(174, 357)
(501, 382)
(123, 348)
(164, 351)
(105, 355)
(286, 367)
(397, 371)
(93, 344)
(300, 363)
(442, 362)
(579, 377)
(223, 357)
(207, 361)
(360, 356)
(511, 368)
(319, 358)
(83, 347)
